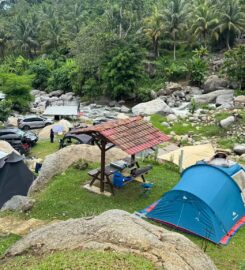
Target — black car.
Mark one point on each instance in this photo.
(69, 139)
(12, 135)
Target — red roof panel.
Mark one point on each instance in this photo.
(132, 135)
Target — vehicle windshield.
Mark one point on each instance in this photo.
(20, 132)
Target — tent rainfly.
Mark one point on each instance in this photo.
(15, 177)
(208, 201)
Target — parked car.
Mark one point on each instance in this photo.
(15, 135)
(30, 122)
(69, 139)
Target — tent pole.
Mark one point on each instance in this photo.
(102, 180)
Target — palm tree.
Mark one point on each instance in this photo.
(25, 35)
(175, 16)
(54, 34)
(153, 29)
(232, 20)
(204, 22)
(75, 18)
(4, 38)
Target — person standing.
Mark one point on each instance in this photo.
(51, 136)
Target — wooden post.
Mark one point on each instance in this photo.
(103, 151)
(181, 159)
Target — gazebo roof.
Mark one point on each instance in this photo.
(132, 135)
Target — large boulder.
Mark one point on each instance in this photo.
(169, 89)
(56, 93)
(211, 97)
(12, 121)
(18, 203)
(239, 149)
(7, 148)
(239, 101)
(226, 101)
(227, 121)
(44, 133)
(156, 106)
(213, 83)
(59, 161)
(118, 231)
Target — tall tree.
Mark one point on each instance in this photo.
(154, 29)
(175, 17)
(204, 22)
(232, 20)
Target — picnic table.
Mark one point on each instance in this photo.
(130, 164)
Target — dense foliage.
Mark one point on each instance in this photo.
(114, 47)
(17, 89)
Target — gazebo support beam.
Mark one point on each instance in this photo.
(103, 151)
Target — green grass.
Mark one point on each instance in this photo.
(79, 260)
(227, 143)
(222, 115)
(6, 242)
(180, 129)
(65, 198)
(44, 148)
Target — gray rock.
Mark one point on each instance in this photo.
(113, 103)
(56, 93)
(153, 94)
(211, 97)
(223, 100)
(121, 102)
(172, 117)
(156, 106)
(213, 83)
(170, 88)
(18, 203)
(165, 124)
(239, 101)
(227, 121)
(239, 149)
(119, 231)
(124, 109)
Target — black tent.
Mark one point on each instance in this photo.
(15, 177)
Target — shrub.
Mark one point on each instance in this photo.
(234, 66)
(123, 71)
(61, 77)
(17, 89)
(197, 68)
(175, 71)
(41, 71)
(5, 109)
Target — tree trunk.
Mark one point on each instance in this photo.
(155, 47)
(228, 40)
(120, 24)
(174, 50)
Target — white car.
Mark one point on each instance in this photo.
(30, 122)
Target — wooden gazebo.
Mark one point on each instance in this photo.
(131, 135)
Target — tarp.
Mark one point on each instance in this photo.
(206, 202)
(15, 178)
(191, 154)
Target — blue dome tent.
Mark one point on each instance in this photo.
(207, 202)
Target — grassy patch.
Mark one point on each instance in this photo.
(222, 115)
(65, 198)
(177, 127)
(82, 260)
(6, 242)
(44, 148)
(227, 143)
(184, 127)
